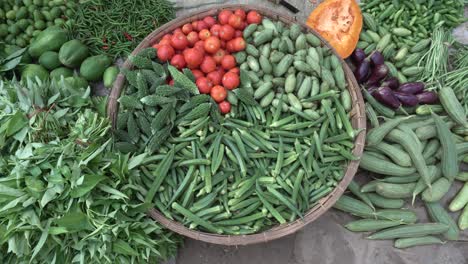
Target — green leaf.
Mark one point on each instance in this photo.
(89, 182)
(14, 203)
(16, 54)
(42, 240)
(122, 247)
(74, 221)
(136, 161)
(5, 190)
(17, 122)
(95, 153)
(10, 65)
(113, 191)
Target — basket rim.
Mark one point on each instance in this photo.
(358, 119)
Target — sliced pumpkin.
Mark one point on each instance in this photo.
(339, 22)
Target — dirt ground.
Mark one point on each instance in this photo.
(324, 241)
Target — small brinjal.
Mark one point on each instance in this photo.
(362, 71)
(377, 58)
(391, 82)
(385, 95)
(358, 56)
(379, 72)
(406, 99)
(372, 89)
(427, 97)
(411, 88)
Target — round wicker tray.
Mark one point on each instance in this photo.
(358, 122)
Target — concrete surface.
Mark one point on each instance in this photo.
(325, 241)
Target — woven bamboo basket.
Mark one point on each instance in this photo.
(358, 122)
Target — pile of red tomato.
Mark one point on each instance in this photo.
(205, 47)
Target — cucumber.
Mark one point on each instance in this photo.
(282, 67)
(414, 230)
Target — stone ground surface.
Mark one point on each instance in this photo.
(325, 241)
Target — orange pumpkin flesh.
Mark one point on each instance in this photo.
(339, 22)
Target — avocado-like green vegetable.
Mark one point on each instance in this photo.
(61, 71)
(50, 60)
(110, 75)
(32, 71)
(50, 39)
(73, 53)
(93, 68)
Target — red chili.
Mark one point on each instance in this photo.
(105, 47)
(128, 36)
(104, 39)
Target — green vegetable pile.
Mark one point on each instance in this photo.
(416, 153)
(115, 27)
(403, 32)
(65, 195)
(22, 21)
(260, 166)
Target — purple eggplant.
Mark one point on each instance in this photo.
(411, 88)
(385, 95)
(362, 71)
(406, 99)
(379, 72)
(391, 82)
(358, 56)
(427, 97)
(377, 58)
(372, 89)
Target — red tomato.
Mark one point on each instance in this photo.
(240, 13)
(179, 41)
(238, 34)
(204, 34)
(219, 55)
(209, 20)
(235, 70)
(197, 74)
(218, 93)
(212, 44)
(253, 17)
(204, 85)
(187, 28)
(239, 44)
(208, 64)
(216, 76)
(177, 30)
(167, 36)
(223, 16)
(193, 57)
(200, 45)
(224, 107)
(230, 46)
(164, 41)
(226, 32)
(171, 82)
(235, 21)
(195, 24)
(228, 62)
(201, 25)
(230, 80)
(244, 25)
(178, 61)
(165, 52)
(192, 38)
(215, 29)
